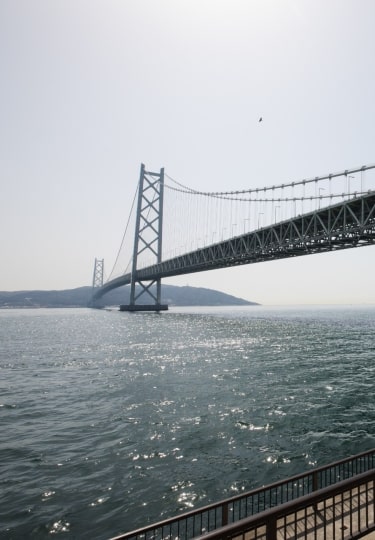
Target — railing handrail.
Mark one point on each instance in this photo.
(287, 508)
(235, 498)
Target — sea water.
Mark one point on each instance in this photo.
(110, 421)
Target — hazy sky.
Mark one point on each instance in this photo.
(92, 88)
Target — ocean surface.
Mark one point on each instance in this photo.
(109, 420)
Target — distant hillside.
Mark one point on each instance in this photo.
(171, 295)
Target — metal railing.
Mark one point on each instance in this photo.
(339, 512)
(209, 518)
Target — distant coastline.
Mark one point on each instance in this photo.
(80, 297)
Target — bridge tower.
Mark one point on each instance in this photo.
(147, 238)
(97, 279)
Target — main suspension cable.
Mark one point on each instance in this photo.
(187, 189)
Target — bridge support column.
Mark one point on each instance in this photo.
(97, 280)
(148, 240)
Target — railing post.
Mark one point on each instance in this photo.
(315, 485)
(224, 514)
(271, 528)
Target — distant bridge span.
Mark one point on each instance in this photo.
(344, 225)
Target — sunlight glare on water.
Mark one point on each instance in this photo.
(110, 420)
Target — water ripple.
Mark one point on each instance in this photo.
(112, 421)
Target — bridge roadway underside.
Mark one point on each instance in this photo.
(341, 226)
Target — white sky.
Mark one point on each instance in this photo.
(92, 88)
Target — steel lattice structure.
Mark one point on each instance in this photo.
(148, 237)
(97, 279)
(341, 226)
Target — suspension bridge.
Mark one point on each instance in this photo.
(173, 229)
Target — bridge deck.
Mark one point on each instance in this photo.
(346, 225)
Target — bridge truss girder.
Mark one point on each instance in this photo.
(345, 225)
